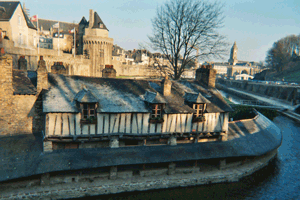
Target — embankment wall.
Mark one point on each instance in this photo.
(62, 187)
(289, 94)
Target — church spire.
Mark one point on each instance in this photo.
(233, 54)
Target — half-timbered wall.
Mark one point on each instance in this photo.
(68, 124)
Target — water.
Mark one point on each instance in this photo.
(279, 180)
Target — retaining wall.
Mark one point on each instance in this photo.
(287, 93)
(125, 181)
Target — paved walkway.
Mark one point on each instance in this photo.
(269, 100)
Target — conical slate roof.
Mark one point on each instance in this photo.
(83, 21)
(98, 23)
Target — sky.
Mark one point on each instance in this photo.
(254, 24)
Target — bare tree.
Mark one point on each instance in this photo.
(282, 52)
(185, 31)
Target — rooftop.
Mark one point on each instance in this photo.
(22, 155)
(7, 10)
(126, 95)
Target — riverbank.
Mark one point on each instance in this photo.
(231, 173)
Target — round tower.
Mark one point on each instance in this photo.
(97, 46)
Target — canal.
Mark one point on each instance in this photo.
(279, 180)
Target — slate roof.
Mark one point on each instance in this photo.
(83, 21)
(85, 96)
(98, 21)
(154, 97)
(10, 7)
(257, 141)
(195, 98)
(22, 85)
(64, 26)
(125, 95)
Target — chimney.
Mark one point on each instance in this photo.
(109, 72)
(166, 86)
(206, 75)
(91, 20)
(42, 75)
(22, 63)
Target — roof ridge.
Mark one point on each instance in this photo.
(57, 21)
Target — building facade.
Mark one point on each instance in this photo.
(16, 25)
(119, 112)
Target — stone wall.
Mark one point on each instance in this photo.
(75, 66)
(17, 111)
(137, 70)
(29, 53)
(286, 93)
(83, 185)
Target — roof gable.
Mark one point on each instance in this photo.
(8, 9)
(154, 97)
(195, 98)
(85, 96)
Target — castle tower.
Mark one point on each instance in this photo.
(233, 55)
(97, 46)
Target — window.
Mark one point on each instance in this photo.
(198, 116)
(156, 111)
(199, 109)
(101, 53)
(20, 39)
(156, 114)
(19, 20)
(88, 113)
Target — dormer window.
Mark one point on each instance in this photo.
(156, 102)
(156, 114)
(198, 103)
(198, 115)
(88, 105)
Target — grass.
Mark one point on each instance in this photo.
(247, 112)
(227, 100)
